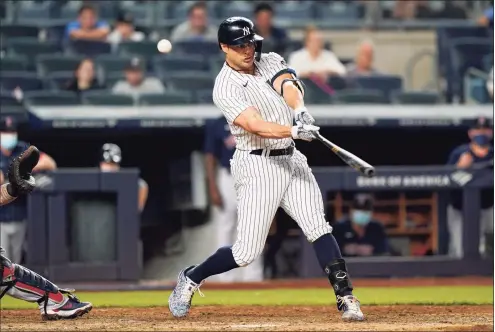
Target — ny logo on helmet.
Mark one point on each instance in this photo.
(246, 31)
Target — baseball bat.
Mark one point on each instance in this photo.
(350, 159)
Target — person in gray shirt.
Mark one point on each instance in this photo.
(136, 83)
(196, 27)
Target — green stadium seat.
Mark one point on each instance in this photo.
(416, 98)
(360, 96)
(190, 80)
(10, 63)
(107, 99)
(49, 63)
(146, 49)
(31, 48)
(167, 98)
(51, 98)
(313, 94)
(110, 65)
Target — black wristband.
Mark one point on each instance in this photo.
(12, 190)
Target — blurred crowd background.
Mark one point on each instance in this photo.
(104, 53)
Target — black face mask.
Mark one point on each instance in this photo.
(481, 140)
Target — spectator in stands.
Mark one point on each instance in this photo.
(136, 83)
(196, 27)
(13, 216)
(111, 157)
(489, 84)
(125, 31)
(84, 78)
(313, 60)
(263, 16)
(87, 26)
(359, 234)
(363, 64)
(477, 153)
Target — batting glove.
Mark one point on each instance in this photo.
(304, 132)
(302, 116)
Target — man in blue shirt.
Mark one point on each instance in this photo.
(87, 26)
(219, 149)
(477, 153)
(263, 15)
(358, 234)
(14, 215)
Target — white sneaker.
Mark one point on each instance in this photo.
(179, 302)
(351, 307)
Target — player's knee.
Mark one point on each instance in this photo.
(246, 257)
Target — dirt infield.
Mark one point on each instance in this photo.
(258, 318)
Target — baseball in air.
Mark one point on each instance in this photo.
(164, 46)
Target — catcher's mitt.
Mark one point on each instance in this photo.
(21, 181)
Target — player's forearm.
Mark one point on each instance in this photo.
(292, 96)
(5, 197)
(270, 130)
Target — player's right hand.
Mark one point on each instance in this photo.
(304, 132)
(302, 116)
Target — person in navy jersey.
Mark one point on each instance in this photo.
(478, 153)
(219, 149)
(13, 216)
(358, 234)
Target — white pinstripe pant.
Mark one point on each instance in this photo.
(263, 184)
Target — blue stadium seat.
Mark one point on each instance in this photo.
(174, 62)
(10, 63)
(190, 81)
(48, 63)
(51, 98)
(27, 81)
(204, 48)
(90, 48)
(416, 98)
(337, 82)
(360, 96)
(167, 98)
(386, 84)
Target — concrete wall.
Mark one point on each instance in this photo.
(393, 51)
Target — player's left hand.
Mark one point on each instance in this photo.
(302, 116)
(20, 179)
(304, 132)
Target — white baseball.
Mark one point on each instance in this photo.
(164, 46)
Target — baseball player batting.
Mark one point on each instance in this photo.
(20, 282)
(261, 97)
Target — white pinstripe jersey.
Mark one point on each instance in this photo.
(234, 92)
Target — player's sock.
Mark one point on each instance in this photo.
(221, 261)
(330, 259)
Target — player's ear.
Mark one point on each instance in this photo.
(225, 48)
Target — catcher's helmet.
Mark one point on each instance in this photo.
(237, 31)
(110, 153)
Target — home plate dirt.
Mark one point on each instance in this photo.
(262, 318)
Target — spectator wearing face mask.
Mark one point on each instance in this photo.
(477, 153)
(359, 234)
(111, 157)
(13, 216)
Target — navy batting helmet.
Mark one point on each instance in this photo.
(237, 31)
(110, 153)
